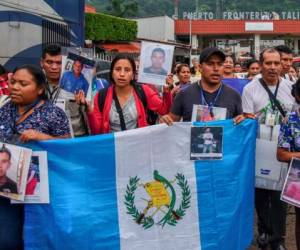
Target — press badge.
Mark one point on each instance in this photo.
(271, 119)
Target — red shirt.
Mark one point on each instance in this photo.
(4, 85)
(99, 121)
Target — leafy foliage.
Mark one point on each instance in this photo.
(166, 7)
(147, 222)
(102, 27)
(186, 200)
(123, 8)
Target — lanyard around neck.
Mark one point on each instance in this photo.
(272, 97)
(18, 119)
(53, 95)
(204, 101)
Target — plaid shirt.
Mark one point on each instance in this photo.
(4, 85)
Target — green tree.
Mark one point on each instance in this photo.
(123, 8)
(146, 8)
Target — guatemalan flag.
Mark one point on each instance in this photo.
(139, 189)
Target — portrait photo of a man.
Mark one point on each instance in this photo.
(158, 57)
(206, 143)
(72, 81)
(155, 63)
(6, 184)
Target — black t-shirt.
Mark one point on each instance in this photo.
(9, 187)
(186, 98)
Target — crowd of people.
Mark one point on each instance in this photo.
(28, 112)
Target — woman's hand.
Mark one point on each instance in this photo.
(80, 97)
(169, 82)
(81, 100)
(175, 90)
(33, 135)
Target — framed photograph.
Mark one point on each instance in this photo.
(37, 186)
(76, 75)
(207, 143)
(202, 113)
(155, 63)
(14, 165)
(291, 188)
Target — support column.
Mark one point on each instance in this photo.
(195, 43)
(296, 46)
(256, 45)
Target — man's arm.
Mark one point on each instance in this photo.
(169, 119)
(285, 156)
(176, 110)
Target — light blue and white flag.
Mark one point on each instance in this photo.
(138, 190)
(236, 83)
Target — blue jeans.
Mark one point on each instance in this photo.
(11, 225)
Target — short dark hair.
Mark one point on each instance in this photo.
(118, 58)
(78, 60)
(250, 62)
(158, 50)
(180, 66)
(52, 50)
(2, 70)
(262, 54)
(37, 75)
(237, 63)
(283, 49)
(5, 150)
(296, 89)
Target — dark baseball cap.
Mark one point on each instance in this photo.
(208, 52)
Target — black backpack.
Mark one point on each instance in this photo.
(151, 115)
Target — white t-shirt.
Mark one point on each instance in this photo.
(208, 138)
(256, 100)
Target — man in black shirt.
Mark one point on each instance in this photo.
(210, 91)
(6, 185)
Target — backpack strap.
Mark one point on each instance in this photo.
(101, 98)
(141, 94)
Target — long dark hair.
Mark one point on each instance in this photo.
(118, 58)
(37, 75)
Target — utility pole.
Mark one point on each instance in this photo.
(218, 9)
(176, 9)
(191, 42)
(197, 6)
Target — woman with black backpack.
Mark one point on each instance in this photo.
(125, 104)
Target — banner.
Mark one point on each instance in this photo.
(139, 190)
(236, 83)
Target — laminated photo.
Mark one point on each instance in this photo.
(155, 63)
(37, 186)
(77, 74)
(291, 189)
(202, 113)
(206, 143)
(14, 165)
